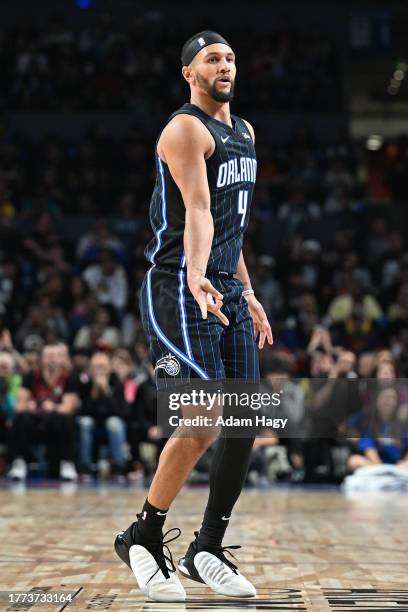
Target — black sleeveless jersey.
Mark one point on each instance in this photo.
(231, 172)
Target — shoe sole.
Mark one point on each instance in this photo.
(194, 575)
(184, 572)
(122, 551)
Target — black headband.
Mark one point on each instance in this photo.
(198, 42)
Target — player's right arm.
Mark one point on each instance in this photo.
(184, 146)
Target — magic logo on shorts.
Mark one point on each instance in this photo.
(169, 364)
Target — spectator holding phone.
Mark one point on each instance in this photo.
(103, 416)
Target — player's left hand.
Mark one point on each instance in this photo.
(260, 320)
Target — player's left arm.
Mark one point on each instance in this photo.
(256, 310)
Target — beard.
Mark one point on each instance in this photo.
(213, 92)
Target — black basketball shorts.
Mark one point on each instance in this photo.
(183, 345)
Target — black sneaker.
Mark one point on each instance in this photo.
(154, 570)
(186, 564)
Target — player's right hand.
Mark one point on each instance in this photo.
(207, 296)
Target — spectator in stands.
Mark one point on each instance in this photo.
(8, 277)
(279, 376)
(356, 299)
(44, 414)
(103, 415)
(80, 359)
(382, 356)
(346, 363)
(298, 212)
(398, 280)
(338, 176)
(35, 324)
(329, 401)
(391, 264)
(268, 288)
(356, 318)
(100, 239)
(100, 333)
(386, 375)
(108, 280)
(10, 383)
(141, 403)
(101, 68)
(52, 287)
(306, 320)
(400, 350)
(398, 312)
(385, 371)
(43, 239)
(398, 166)
(125, 369)
(44, 323)
(32, 360)
(381, 440)
(20, 363)
(378, 241)
(79, 305)
(144, 434)
(366, 365)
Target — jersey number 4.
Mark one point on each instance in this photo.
(242, 205)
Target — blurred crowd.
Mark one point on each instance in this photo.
(107, 67)
(326, 249)
(91, 413)
(326, 243)
(60, 409)
(76, 383)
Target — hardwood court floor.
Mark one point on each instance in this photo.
(303, 549)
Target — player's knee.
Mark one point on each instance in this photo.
(201, 443)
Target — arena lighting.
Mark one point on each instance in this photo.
(84, 4)
(402, 64)
(374, 142)
(393, 87)
(400, 69)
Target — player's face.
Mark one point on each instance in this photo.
(214, 70)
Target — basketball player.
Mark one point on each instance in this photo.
(199, 313)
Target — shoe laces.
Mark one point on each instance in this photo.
(219, 553)
(224, 559)
(159, 555)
